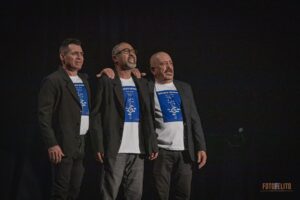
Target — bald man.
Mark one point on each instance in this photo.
(178, 127)
(177, 123)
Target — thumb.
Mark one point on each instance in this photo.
(199, 157)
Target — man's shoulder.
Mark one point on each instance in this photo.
(181, 83)
(83, 75)
(53, 77)
(142, 80)
(145, 82)
(105, 80)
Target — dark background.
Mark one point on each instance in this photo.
(241, 58)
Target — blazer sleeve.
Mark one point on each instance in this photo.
(153, 147)
(96, 130)
(46, 107)
(197, 130)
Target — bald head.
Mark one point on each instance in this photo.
(162, 67)
(154, 59)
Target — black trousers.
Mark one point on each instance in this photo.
(175, 167)
(67, 176)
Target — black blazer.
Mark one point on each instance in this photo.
(59, 111)
(193, 133)
(108, 117)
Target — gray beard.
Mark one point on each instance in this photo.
(131, 65)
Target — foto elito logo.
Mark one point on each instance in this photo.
(276, 187)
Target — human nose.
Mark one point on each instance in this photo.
(169, 66)
(79, 56)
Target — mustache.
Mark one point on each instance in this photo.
(170, 70)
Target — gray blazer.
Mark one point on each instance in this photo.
(193, 133)
(59, 111)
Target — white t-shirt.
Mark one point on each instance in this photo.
(130, 140)
(84, 101)
(168, 116)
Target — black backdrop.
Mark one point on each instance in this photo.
(239, 57)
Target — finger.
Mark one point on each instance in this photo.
(59, 157)
(151, 156)
(112, 76)
(203, 162)
(101, 156)
(56, 157)
(98, 75)
(51, 157)
(199, 158)
(97, 157)
(143, 74)
(154, 156)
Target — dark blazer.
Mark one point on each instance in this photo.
(59, 111)
(108, 117)
(193, 133)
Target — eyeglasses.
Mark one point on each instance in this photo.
(127, 51)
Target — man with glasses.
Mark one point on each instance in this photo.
(180, 138)
(122, 127)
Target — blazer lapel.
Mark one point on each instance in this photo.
(184, 103)
(118, 91)
(86, 84)
(140, 89)
(151, 92)
(70, 86)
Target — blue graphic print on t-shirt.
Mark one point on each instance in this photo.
(170, 104)
(83, 96)
(131, 102)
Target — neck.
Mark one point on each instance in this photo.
(70, 72)
(125, 74)
(163, 81)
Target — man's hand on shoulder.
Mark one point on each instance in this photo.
(136, 72)
(108, 72)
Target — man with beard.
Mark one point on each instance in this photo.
(177, 124)
(180, 138)
(122, 127)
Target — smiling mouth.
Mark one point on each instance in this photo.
(131, 60)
